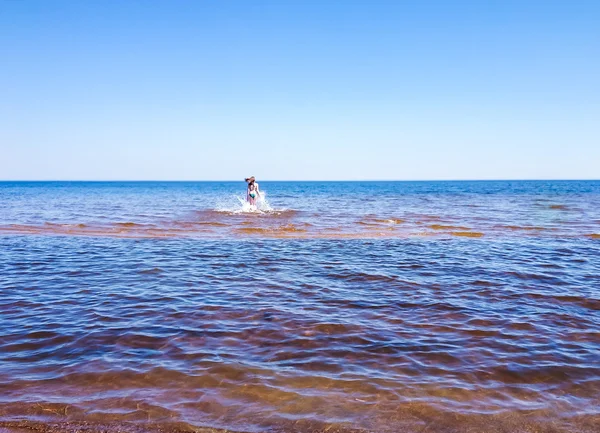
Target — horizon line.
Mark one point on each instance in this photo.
(307, 180)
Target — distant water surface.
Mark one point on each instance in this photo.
(336, 306)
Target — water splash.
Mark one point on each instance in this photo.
(242, 206)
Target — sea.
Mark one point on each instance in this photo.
(384, 307)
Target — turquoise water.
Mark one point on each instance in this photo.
(335, 306)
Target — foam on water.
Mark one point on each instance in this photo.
(237, 204)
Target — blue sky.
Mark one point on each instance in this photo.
(215, 90)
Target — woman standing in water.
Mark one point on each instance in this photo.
(252, 193)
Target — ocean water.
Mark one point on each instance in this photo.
(333, 307)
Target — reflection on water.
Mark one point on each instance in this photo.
(300, 319)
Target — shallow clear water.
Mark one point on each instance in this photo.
(384, 306)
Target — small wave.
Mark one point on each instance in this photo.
(253, 230)
(286, 229)
(366, 223)
(390, 221)
(379, 221)
(290, 228)
(524, 228)
(128, 224)
(213, 224)
(195, 225)
(425, 217)
(151, 271)
(447, 227)
(468, 234)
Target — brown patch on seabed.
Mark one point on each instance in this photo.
(289, 231)
(284, 231)
(83, 230)
(406, 421)
(91, 427)
(125, 427)
(130, 224)
(275, 231)
(254, 231)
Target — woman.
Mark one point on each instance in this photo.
(252, 192)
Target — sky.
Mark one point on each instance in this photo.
(299, 90)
